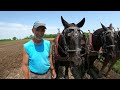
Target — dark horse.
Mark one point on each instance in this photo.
(116, 53)
(101, 38)
(67, 48)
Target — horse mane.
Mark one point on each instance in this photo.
(98, 31)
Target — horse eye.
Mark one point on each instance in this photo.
(68, 31)
(71, 29)
(107, 33)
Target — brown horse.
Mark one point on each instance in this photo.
(67, 48)
(116, 53)
(101, 38)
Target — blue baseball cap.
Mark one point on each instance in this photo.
(38, 24)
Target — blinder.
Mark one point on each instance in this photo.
(73, 30)
(103, 39)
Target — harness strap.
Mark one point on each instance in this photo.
(117, 34)
(90, 41)
(57, 45)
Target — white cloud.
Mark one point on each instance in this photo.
(53, 29)
(9, 30)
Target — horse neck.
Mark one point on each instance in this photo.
(118, 38)
(118, 44)
(96, 42)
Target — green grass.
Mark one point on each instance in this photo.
(116, 67)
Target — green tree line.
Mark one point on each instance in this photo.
(31, 36)
(45, 36)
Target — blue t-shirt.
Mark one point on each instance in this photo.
(38, 56)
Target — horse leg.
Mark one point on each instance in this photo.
(92, 70)
(76, 72)
(56, 69)
(91, 62)
(83, 72)
(66, 71)
(110, 67)
(103, 67)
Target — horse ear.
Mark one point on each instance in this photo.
(104, 28)
(110, 26)
(81, 23)
(65, 23)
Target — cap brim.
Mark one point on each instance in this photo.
(42, 26)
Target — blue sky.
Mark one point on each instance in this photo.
(19, 23)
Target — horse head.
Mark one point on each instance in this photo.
(72, 39)
(108, 40)
(117, 40)
(105, 39)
